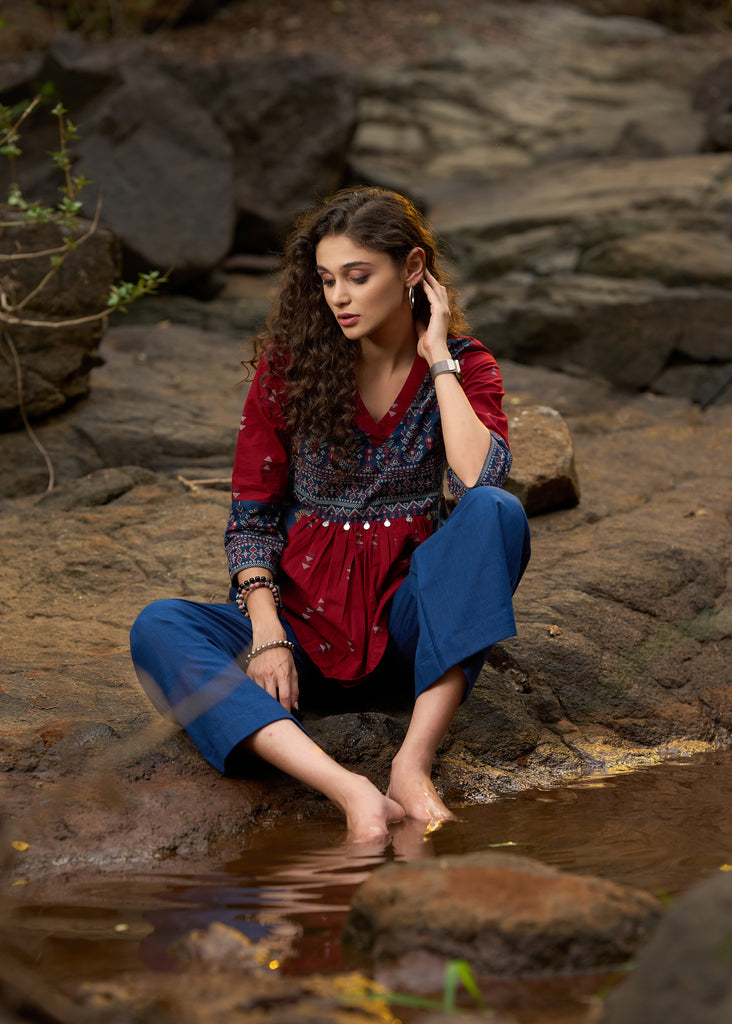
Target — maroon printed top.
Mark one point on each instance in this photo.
(339, 552)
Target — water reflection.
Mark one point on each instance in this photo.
(660, 829)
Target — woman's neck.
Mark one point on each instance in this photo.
(382, 353)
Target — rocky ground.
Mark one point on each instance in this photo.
(623, 653)
(570, 162)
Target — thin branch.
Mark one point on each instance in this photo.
(12, 256)
(13, 128)
(28, 223)
(21, 321)
(193, 485)
(23, 415)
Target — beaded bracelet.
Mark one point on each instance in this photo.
(268, 647)
(252, 584)
(248, 583)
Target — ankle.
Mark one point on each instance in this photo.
(409, 762)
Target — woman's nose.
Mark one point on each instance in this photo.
(340, 293)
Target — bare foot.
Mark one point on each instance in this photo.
(368, 812)
(413, 790)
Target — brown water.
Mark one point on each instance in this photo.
(660, 829)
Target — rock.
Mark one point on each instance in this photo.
(543, 475)
(98, 488)
(678, 16)
(137, 125)
(624, 331)
(55, 362)
(187, 155)
(132, 138)
(290, 121)
(133, 17)
(674, 257)
(582, 193)
(576, 86)
(361, 738)
(713, 95)
(683, 973)
(505, 914)
(220, 947)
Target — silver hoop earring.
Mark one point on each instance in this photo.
(411, 296)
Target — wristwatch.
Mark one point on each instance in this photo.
(446, 366)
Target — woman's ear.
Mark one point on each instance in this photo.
(414, 266)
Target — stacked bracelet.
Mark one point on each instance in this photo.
(268, 647)
(254, 583)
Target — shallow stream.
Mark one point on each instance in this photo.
(660, 829)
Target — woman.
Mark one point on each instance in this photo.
(365, 392)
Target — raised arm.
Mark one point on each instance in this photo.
(474, 432)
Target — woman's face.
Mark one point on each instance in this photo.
(364, 289)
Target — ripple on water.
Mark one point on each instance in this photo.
(661, 829)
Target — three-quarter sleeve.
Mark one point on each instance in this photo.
(255, 535)
(483, 385)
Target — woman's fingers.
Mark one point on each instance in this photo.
(275, 672)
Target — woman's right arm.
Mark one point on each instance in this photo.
(274, 670)
(255, 536)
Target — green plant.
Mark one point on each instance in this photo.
(457, 972)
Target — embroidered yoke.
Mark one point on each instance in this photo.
(340, 553)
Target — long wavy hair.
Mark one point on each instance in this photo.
(305, 347)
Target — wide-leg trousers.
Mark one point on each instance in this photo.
(455, 603)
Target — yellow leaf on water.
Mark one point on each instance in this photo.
(19, 845)
(121, 927)
(21, 881)
(725, 867)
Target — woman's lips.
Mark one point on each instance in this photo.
(347, 319)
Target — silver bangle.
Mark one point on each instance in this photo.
(268, 647)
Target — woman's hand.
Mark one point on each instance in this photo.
(274, 670)
(432, 337)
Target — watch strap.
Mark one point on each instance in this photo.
(445, 366)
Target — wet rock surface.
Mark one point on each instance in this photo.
(506, 914)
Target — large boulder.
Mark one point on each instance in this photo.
(53, 363)
(290, 121)
(506, 914)
(190, 158)
(161, 163)
(683, 974)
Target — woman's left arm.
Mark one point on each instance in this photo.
(467, 439)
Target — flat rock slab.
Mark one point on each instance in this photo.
(505, 914)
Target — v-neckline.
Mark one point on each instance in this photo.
(379, 431)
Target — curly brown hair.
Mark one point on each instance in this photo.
(304, 344)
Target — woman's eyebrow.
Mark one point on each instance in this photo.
(347, 266)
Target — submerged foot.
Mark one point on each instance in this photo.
(413, 790)
(368, 812)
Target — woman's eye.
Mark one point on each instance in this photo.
(327, 283)
(360, 280)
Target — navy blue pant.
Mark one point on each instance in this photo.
(453, 606)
